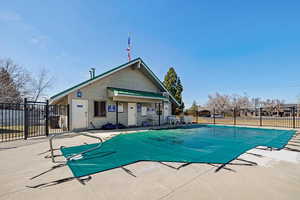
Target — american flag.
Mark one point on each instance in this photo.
(128, 49)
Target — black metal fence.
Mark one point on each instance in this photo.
(31, 119)
(287, 117)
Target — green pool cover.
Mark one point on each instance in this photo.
(196, 144)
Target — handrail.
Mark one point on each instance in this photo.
(74, 155)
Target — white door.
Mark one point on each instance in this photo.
(79, 113)
(166, 112)
(131, 114)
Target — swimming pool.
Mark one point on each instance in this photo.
(192, 144)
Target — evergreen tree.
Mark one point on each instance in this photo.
(193, 109)
(173, 84)
(194, 106)
(178, 95)
(170, 81)
(178, 91)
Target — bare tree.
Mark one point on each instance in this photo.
(40, 84)
(272, 102)
(219, 102)
(238, 101)
(272, 106)
(14, 82)
(255, 102)
(224, 103)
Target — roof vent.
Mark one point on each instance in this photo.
(92, 73)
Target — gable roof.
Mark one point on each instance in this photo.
(107, 73)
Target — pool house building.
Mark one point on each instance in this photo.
(130, 94)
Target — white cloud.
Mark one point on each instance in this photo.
(10, 16)
(39, 40)
(35, 36)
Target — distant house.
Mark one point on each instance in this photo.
(280, 110)
(203, 112)
(285, 110)
(129, 94)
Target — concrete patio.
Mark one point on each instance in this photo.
(257, 174)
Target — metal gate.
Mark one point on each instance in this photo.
(32, 119)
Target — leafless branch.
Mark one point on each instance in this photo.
(41, 84)
(14, 81)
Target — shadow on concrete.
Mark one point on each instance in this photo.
(177, 168)
(128, 172)
(59, 181)
(49, 170)
(255, 154)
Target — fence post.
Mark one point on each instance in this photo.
(214, 115)
(68, 116)
(234, 116)
(25, 119)
(294, 120)
(47, 118)
(117, 114)
(158, 114)
(260, 116)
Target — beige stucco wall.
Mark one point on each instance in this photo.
(129, 78)
(62, 101)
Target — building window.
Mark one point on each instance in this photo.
(99, 108)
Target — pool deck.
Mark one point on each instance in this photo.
(257, 174)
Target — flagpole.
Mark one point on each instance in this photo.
(129, 47)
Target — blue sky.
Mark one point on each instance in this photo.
(215, 46)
